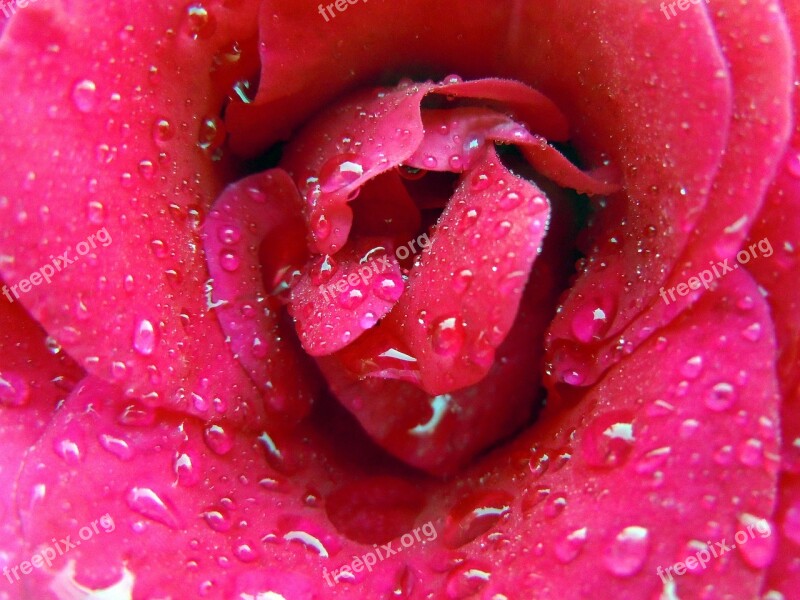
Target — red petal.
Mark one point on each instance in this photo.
(264, 208)
(538, 112)
(106, 144)
(758, 131)
(339, 298)
(32, 381)
(464, 294)
(343, 148)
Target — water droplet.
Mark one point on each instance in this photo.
(751, 453)
(466, 581)
(186, 470)
(502, 229)
(218, 439)
(759, 549)
(200, 24)
(469, 218)
(14, 391)
(146, 169)
(144, 338)
(69, 450)
(555, 505)
(322, 270)
(447, 336)
(462, 280)
(340, 172)
(721, 397)
(456, 162)
(480, 181)
(752, 332)
(137, 415)
(321, 227)
(350, 299)
(229, 234)
(510, 200)
(95, 212)
(218, 520)
(84, 95)
(116, 446)
(149, 504)
(389, 288)
(653, 460)
(159, 248)
(245, 553)
(608, 440)
(692, 368)
(626, 554)
(163, 130)
(229, 261)
(430, 162)
(474, 516)
(211, 135)
(539, 461)
(568, 548)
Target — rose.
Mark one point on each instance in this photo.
(158, 470)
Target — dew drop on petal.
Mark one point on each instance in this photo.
(144, 338)
(627, 553)
(447, 336)
(568, 548)
(14, 391)
(759, 549)
(721, 397)
(474, 516)
(84, 95)
(340, 171)
(218, 439)
(149, 504)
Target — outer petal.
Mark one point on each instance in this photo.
(32, 381)
(256, 217)
(751, 37)
(99, 142)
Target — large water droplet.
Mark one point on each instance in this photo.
(14, 391)
(186, 468)
(626, 554)
(608, 440)
(116, 446)
(447, 336)
(474, 516)
(466, 581)
(218, 439)
(84, 95)
(568, 548)
(692, 367)
(147, 503)
(144, 338)
(340, 171)
(200, 24)
(389, 288)
(755, 541)
(68, 450)
(721, 397)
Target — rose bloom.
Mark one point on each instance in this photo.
(422, 299)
